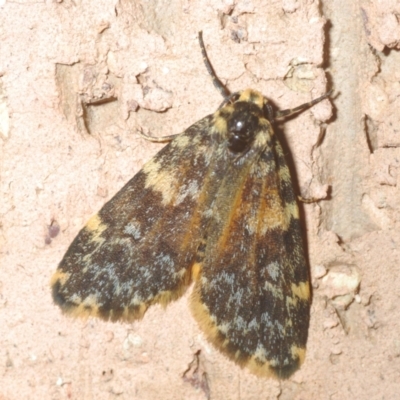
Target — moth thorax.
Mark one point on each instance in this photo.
(242, 126)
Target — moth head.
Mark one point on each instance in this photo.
(242, 127)
(244, 121)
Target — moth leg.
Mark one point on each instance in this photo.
(291, 111)
(308, 201)
(157, 139)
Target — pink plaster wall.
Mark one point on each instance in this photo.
(137, 64)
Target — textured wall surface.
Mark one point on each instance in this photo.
(78, 78)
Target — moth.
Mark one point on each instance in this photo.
(216, 206)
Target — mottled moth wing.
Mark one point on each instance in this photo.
(216, 205)
(139, 248)
(252, 297)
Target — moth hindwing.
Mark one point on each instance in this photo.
(215, 206)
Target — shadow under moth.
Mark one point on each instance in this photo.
(216, 206)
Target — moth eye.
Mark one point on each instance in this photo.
(241, 131)
(239, 126)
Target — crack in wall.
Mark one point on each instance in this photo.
(345, 151)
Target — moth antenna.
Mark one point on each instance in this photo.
(217, 83)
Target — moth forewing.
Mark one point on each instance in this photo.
(247, 298)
